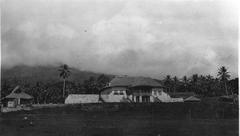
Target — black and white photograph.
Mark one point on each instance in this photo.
(119, 68)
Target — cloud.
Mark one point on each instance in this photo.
(147, 38)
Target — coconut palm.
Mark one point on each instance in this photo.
(209, 77)
(223, 76)
(195, 83)
(168, 82)
(185, 82)
(195, 78)
(175, 79)
(64, 74)
(0, 100)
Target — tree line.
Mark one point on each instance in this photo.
(203, 85)
(56, 92)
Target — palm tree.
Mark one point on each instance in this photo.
(195, 80)
(0, 100)
(185, 81)
(211, 84)
(209, 77)
(175, 79)
(223, 75)
(168, 82)
(64, 74)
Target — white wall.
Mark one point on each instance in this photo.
(156, 93)
(177, 99)
(82, 98)
(114, 95)
(161, 95)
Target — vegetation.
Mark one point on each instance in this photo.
(64, 74)
(224, 76)
(44, 84)
(203, 85)
(46, 87)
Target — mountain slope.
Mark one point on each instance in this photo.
(33, 74)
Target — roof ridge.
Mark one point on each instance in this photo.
(134, 81)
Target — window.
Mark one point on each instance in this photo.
(121, 92)
(118, 92)
(115, 92)
(146, 91)
(145, 98)
(154, 92)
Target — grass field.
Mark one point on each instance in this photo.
(75, 122)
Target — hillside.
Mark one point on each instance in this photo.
(45, 74)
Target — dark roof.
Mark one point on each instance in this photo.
(21, 95)
(181, 94)
(134, 82)
(192, 98)
(106, 90)
(228, 98)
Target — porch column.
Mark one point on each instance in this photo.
(151, 99)
(140, 98)
(134, 98)
(19, 101)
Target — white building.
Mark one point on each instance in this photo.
(82, 98)
(127, 89)
(115, 94)
(134, 89)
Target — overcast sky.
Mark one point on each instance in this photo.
(127, 37)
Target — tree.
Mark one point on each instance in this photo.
(234, 85)
(185, 82)
(223, 76)
(194, 78)
(168, 82)
(195, 81)
(91, 85)
(175, 79)
(210, 85)
(209, 78)
(102, 81)
(64, 74)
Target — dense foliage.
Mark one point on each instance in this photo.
(204, 85)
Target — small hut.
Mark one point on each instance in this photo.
(186, 96)
(229, 98)
(15, 99)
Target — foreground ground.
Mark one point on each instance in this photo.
(75, 122)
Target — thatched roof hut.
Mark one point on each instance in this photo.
(20, 95)
(15, 99)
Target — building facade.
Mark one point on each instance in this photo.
(134, 89)
(115, 94)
